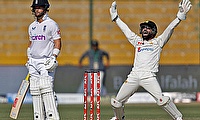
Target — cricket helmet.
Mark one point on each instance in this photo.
(40, 3)
(151, 24)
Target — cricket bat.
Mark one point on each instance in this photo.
(19, 98)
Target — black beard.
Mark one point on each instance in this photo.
(148, 37)
(40, 16)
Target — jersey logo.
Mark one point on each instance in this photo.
(38, 37)
(33, 28)
(140, 43)
(44, 28)
(58, 32)
(144, 49)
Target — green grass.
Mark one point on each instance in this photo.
(190, 111)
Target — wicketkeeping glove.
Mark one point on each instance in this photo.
(51, 64)
(184, 7)
(113, 11)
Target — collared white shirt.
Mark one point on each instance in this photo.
(42, 36)
(147, 53)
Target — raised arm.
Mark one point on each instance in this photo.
(184, 7)
(131, 36)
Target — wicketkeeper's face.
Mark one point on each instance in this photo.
(146, 32)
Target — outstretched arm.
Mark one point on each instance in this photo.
(131, 36)
(184, 7)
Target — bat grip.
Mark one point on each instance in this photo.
(27, 77)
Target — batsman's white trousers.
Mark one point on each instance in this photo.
(37, 68)
(42, 84)
(147, 80)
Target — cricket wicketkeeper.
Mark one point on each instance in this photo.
(147, 56)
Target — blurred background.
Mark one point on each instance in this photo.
(81, 21)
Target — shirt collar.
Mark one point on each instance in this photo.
(45, 17)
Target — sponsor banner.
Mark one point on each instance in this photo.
(139, 97)
(63, 98)
(179, 78)
(172, 78)
(69, 98)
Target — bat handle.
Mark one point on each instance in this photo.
(27, 77)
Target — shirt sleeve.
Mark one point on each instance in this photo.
(165, 36)
(55, 31)
(131, 36)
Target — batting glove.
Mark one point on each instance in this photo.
(113, 11)
(51, 64)
(184, 7)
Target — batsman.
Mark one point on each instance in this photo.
(147, 55)
(44, 47)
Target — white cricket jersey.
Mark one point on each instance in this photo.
(42, 36)
(147, 53)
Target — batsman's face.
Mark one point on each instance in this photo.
(39, 11)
